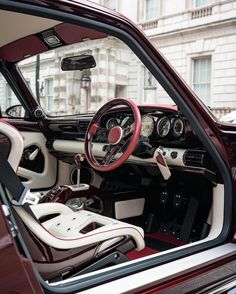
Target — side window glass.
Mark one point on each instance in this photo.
(9, 103)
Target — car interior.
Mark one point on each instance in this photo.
(124, 181)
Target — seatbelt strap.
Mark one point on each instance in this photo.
(12, 183)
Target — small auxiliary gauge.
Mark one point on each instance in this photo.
(163, 126)
(177, 127)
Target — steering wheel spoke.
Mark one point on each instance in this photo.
(129, 130)
(110, 154)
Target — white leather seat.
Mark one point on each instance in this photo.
(65, 231)
(63, 228)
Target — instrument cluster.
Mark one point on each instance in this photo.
(159, 126)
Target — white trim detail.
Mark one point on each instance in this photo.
(78, 147)
(129, 208)
(48, 177)
(17, 144)
(160, 274)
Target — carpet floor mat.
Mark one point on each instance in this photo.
(162, 241)
(155, 243)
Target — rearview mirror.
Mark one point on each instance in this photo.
(78, 62)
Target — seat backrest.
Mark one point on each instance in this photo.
(17, 143)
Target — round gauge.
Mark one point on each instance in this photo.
(111, 123)
(177, 127)
(163, 126)
(147, 126)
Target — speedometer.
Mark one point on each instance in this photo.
(163, 126)
(147, 126)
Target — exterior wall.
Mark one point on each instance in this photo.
(181, 32)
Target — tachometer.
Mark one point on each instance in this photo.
(111, 123)
(147, 126)
(177, 127)
(163, 126)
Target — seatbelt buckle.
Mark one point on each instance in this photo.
(26, 197)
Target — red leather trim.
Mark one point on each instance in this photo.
(72, 33)
(93, 129)
(20, 49)
(160, 160)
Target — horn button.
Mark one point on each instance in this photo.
(115, 135)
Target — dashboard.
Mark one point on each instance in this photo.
(162, 126)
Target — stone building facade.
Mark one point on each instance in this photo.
(198, 37)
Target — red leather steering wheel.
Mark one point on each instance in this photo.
(117, 138)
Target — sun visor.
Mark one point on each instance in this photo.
(70, 33)
(23, 48)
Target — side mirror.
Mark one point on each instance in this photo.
(78, 62)
(15, 111)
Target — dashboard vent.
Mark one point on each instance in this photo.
(82, 125)
(196, 158)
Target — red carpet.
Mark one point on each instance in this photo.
(165, 238)
(159, 241)
(138, 254)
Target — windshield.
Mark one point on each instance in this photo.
(118, 73)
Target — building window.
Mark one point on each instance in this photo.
(152, 9)
(149, 80)
(198, 3)
(202, 78)
(110, 4)
(9, 96)
(49, 91)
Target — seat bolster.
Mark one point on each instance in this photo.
(17, 143)
(44, 209)
(57, 239)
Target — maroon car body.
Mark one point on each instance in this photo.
(17, 274)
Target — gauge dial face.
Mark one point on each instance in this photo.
(147, 126)
(177, 127)
(111, 123)
(163, 126)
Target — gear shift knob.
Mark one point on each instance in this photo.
(78, 159)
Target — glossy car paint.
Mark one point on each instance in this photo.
(221, 135)
(16, 274)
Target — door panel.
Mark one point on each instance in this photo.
(39, 175)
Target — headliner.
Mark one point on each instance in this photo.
(24, 38)
(14, 26)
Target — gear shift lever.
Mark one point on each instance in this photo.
(78, 159)
(78, 163)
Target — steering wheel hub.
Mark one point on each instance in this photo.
(115, 135)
